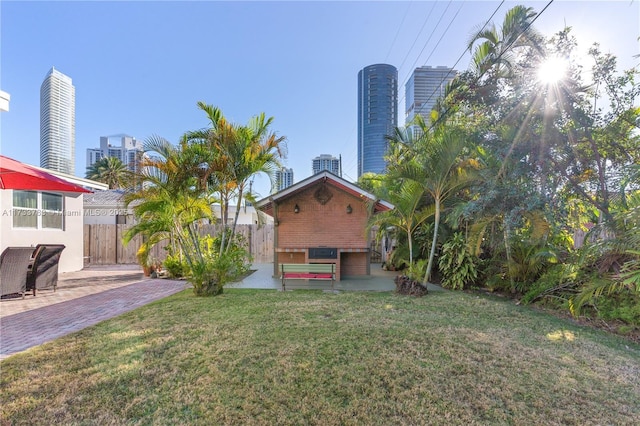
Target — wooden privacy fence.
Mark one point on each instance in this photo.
(103, 244)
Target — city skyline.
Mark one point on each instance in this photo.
(300, 73)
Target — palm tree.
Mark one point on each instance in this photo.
(170, 201)
(211, 148)
(409, 211)
(257, 150)
(494, 48)
(110, 170)
(231, 155)
(439, 168)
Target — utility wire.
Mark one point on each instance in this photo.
(427, 42)
(393, 43)
(353, 158)
(463, 53)
(424, 24)
(352, 161)
(459, 58)
(499, 56)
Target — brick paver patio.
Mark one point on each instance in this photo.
(32, 321)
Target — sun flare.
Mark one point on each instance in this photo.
(552, 70)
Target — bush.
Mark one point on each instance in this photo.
(457, 266)
(175, 266)
(417, 271)
(555, 283)
(237, 254)
(209, 275)
(623, 306)
(212, 270)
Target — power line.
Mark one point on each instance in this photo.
(499, 56)
(353, 160)
(461, 56)
(433, 49)
(406, 12)
(424, 24)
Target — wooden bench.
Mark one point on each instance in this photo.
(308, 271)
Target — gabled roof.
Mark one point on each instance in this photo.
(266, 204)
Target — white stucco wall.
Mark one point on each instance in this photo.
(247, 216)
(106, 215)
(72, 235)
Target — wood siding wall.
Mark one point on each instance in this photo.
(103, 244)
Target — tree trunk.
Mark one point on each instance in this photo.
(410, 246)
(235, 219)
(507, 246)
(224, 214)
(427, 275)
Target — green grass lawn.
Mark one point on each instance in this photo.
(304, 357)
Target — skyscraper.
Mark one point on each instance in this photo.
(284, 179)
(377, 115)
(423, 89)
(327, 162)
(58, 123)
(125, 148)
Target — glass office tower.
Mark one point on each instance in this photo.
(58, 123)
(377, 115)
(425, 86)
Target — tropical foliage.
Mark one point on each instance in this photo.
(489, 191)
(511, 165)
(110, 170)
(180, 184)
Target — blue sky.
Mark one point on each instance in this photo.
(139, 67)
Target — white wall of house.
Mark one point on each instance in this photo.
(107, 215)
(247, 215)
(71, 235)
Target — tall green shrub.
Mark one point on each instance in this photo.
(457, 266)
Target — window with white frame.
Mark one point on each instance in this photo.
(37, 210)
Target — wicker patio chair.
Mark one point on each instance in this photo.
(14, 265)
(44, 270)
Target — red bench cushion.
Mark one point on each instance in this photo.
(307, 275)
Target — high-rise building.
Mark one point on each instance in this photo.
(423, 89)
(327, 162)
(123, 147)
(377, 115)
(284, 179)
(58, 123)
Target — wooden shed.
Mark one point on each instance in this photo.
(322, 219)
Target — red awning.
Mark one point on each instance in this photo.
(17, 175)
